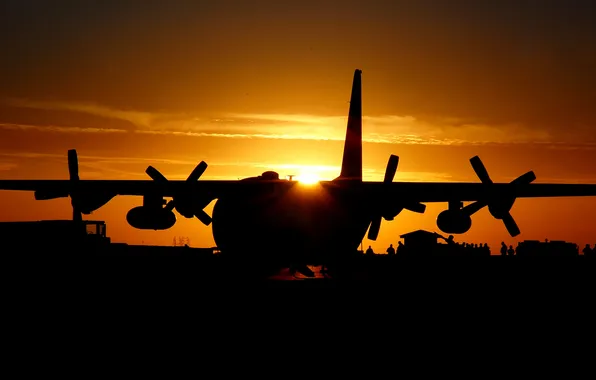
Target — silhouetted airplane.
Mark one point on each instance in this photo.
(279, 220)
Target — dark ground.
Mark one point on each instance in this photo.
(200, 295)
(187, 267)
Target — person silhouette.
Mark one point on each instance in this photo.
(369, 251)
(391, 250)
(503, 248)
(587, 251)
(486, 249)
(400, 247)
(510, 251)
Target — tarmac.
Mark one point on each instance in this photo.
(192, 264)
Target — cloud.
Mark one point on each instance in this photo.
(58, 129)
(394, 129)
(99, 159)
(385, 129)
(6, 166)
(239, 135)
(388, 129)
(103, 167)
(137, 118)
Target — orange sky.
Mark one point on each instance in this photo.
(266, 87)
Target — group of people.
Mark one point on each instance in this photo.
(587, 251)
(510, 251)
(472, 248)
(390, 250)
(481, 248)
(507, 251)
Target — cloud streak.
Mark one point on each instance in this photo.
(103, 167)
(57, 129)
(137, 118)
(101, 159)
(385, 129)
(6, 166)
(120, 167)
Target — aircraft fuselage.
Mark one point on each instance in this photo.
(304, 222)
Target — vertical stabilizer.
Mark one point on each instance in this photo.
(351, 166)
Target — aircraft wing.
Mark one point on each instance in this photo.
(89, 195)
(65, 186)
(416, 191)
(92, 194)
(392, 196)
(486, 190)
(123, 187)
(453, 191)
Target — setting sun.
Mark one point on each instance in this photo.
(308, 178)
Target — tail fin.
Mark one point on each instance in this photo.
(351, 166)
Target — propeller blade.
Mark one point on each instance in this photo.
(416, 207)
(197, 172)
(524, 179)
(391, 168)
(480, 170)
(474, 207)
(170, 205)
(73, 172)
(375, 226)
(73, 165)
(390, 171)
(203, 217)
(155, 174)
(76, 214)
(511, 226)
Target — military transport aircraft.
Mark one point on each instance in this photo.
(269, 218)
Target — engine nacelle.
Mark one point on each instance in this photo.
(454, 222)
(150, 218)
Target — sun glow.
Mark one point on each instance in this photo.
(308, 178)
